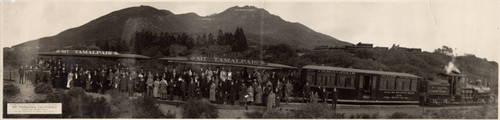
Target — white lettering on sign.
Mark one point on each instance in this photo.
(34, 108)
(226, 60)
(87, 52)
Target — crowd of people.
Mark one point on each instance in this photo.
(219, 84)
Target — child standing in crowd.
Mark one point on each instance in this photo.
(131, 83)
(258, 94)
(213, 87)
(271, 100)
(156, 86)
(149, 84)
(163, 87)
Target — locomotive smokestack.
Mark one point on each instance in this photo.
(451, 66)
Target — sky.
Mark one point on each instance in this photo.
(470, 27)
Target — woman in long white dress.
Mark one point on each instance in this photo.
(70, 79)
(156, 86)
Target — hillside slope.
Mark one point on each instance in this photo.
(260, 26)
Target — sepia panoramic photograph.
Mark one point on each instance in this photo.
(249, 59)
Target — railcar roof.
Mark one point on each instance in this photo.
(266, 66)
(316, 67)
(131, 56)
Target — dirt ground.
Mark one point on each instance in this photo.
(236, 111)
(383, 111)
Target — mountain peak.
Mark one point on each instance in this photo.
(244, 9)
(144, 9)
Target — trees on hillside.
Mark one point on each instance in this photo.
(143, 42)
(444, 50)
(240, 41)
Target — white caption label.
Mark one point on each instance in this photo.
(34, 108)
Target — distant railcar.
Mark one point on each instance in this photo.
(364, 86)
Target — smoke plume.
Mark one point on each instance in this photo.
(451, 66)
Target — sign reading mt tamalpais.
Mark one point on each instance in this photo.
(87, 52)
(226, 60)
(92, 53)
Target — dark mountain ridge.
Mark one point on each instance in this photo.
(259, 25)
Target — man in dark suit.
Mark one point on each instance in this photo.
(306, 93)
(324, 94)
(334, 98)
(21, 75)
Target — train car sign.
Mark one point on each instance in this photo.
(87, 52)
(226, 60)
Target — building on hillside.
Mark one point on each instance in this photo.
(322, 47)
(415, 50)
(364, 45)
(381, 48)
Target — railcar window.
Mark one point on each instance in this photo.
(361, 80)
(374, 82)
(349, 81)
(399, 84)
(341, 81)
(310, 79)
(391, 83)
(321, 81)
(325, 79)
(406, 84)
(413, 85)
(331, 80)
(383, 83)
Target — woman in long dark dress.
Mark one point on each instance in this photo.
(123, 82)
(64, 77)
(57, 77)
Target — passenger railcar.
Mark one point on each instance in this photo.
(364, 86)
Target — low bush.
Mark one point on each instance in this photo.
(77, 104)
(10, 90)
(145, 107)
(277, 114)
(170, 115)
(401, 115)
(485, 112)
(199, 109)
(43, 88)
(254, 114)
(311, 111)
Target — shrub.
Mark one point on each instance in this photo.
(461, 113)
(277, 114)
(400, 115)
(170, 115)
(77, 104)
(146, 108)
(10, 90)
(199, 109)
(316, 111)
(43, 88)
(254, 114)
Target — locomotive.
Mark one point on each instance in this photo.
(454, 88)
(359, 86)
